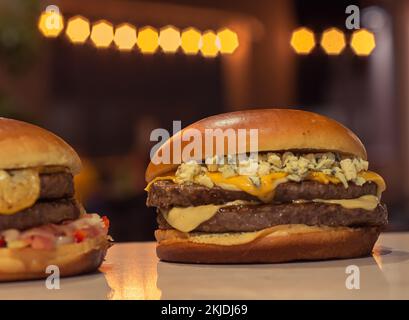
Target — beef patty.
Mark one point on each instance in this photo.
(42, 212)
(244, 218)
(166, 194)
(56, 185)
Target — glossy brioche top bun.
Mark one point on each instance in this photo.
(278, 130)
(71, 259)
(24, 145)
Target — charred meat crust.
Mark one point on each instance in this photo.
(245, 218)
(42, 212)
(167, 194)
(56, 185)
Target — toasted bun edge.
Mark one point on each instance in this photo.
(27, 146)
(330, 244)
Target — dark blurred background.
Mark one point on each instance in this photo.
(106, 101)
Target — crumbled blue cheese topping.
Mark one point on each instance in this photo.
(298, 166)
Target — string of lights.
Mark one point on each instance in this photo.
(333, 41)
(147, 39)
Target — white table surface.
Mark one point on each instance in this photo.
(132, 271)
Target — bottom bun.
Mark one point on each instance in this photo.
(71, 259)
(321, 244)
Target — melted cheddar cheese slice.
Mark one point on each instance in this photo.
(169, 178)
(322, 178)
(375, 178)
(265, 191)
(367, 175)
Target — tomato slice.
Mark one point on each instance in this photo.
(2, 242)
(79, 235)
(105, 220)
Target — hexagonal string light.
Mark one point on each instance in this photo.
(191, 41)
(169, 39)
(102, 34)
(302, 40)
(51, 24)
(148, 40)
(125, 37)
(363, 42)
(228, 41)
(333, 41)
(78, 29)
(210, 44)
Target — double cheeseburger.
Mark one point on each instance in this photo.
(308, 195)
(41, 223)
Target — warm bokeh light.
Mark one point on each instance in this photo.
(191, 41)
(51, 24)
(228, 41)
(125, 37)
(102, 34)
(333, 41)
(302, 40)
(78, 29)
(210, 44)
(148, 40)
(363, 42)
(169, 39)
